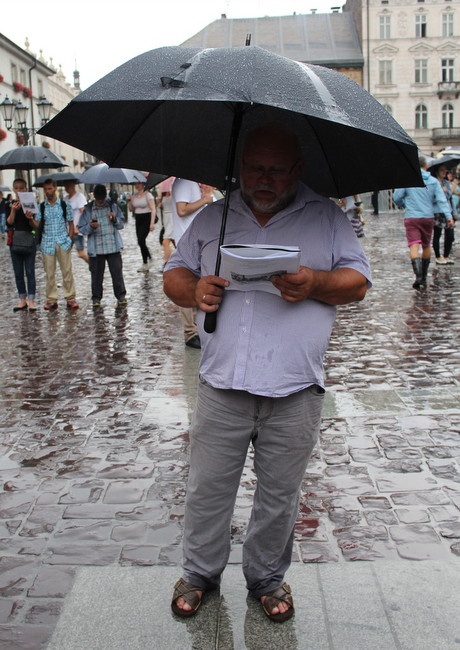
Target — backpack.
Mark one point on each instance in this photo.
(41, 225)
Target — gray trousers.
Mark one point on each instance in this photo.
(283, 432)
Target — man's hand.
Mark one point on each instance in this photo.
(187, 290)
(295, 287)
(337, 287)
(209, 292)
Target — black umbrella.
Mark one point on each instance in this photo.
(31, 157)
(102, 173)
(183, 111)
(155, 179)
(59, 177)
(449, 161)
(171, 110)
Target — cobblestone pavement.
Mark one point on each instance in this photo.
(93, 447)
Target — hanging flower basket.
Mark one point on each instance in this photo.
(2, 78)
(20, 139)
(3, 134)
(82, 164)
(46, 144)
(27, 92)
(75, 162)
(18, 87)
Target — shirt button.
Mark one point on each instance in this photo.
(244, 330)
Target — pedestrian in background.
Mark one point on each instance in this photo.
(420, 204)
(375, 202)
(164, 207)
(23, 263)
(442, 224)
(4, 208)
(77, 201)
(56, 232)
(188, 199)
(142, 205)
(101, 221)
(353, 208)
(454, 181)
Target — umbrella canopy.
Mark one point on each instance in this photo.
(449, 161)
(154, 179)
(59, 177)
(175, 110)
(31, 157)
(102, 173)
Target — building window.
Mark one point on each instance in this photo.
(420, 26)
(14, 73)
(447, 69)
(447, 113)
(385, 27)
(447, 25)
(40, 87)
(385, 73)
(421, 117)
(22, 77)
(421, 71)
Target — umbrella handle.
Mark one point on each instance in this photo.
(210, 322)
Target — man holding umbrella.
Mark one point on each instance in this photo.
(261, 376)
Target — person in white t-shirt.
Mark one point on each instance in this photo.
(188, 198)
(78, 201)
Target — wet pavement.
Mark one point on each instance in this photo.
(93, 455)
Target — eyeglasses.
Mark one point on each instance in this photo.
(256, 172)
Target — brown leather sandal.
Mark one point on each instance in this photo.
(274, 598)
(188, 592)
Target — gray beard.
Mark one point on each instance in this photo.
(278, 204)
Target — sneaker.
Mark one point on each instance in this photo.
(96, 304)
(122, 303)
(72, 304)
(449, 260)
(145, 268)
(49, 305)
(440, 260)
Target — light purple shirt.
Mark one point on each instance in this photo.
(263, 344)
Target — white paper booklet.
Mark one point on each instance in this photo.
(249, 267)
(28, 202)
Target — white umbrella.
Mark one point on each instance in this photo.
(102, 173)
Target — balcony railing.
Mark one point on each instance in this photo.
(448, 88)
(441, 135)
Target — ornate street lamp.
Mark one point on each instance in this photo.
(16, 112)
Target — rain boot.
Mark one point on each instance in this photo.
(417, 266)
(425, 265)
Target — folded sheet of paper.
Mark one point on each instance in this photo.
(249, 267)
(28, 201)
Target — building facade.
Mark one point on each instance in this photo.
(26, 77)
(411, 54)
(331, 40)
